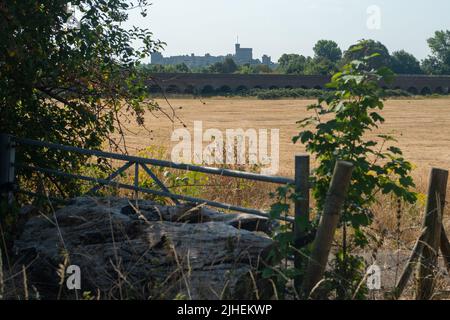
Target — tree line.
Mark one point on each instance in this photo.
(328, 58)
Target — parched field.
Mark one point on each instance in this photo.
(422, 126)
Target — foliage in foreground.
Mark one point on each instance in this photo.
(69, 82)
(337, 131)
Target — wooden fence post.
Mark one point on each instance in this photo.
(302, 172)
(327, 226)
(7, 159)
(413, 258)
(433, 222)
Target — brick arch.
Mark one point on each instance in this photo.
(155, 88)
(413, 90)
(224, 89)
(439, 90)
(207, 89)
(200, 81)
(241, 88)
(173, 89)
(426, 91)
(190, 89)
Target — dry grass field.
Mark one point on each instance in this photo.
(422, 126)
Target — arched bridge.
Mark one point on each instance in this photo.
(207, 83)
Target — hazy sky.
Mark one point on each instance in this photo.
(275, 27)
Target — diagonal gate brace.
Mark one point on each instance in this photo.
(112, 176)
(158, 182)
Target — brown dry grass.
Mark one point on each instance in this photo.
(421, 126)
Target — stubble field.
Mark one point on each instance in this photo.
(421, 126)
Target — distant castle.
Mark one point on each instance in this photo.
(241, 56)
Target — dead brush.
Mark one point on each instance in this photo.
(241, 192)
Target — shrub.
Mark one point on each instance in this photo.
(337, 131)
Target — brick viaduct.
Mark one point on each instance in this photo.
(208, 83)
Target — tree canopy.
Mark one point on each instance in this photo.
(369, 48)
(292, 63)
(170, 68)
(327, 49)
(327, 54)
(69, 83)
(403, 62)
(439, 61)
(227, 66)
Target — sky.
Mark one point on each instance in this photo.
(275, 27)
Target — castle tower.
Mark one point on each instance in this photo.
(243, 55)
(237, 47)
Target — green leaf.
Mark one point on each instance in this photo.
(395, 150)
(374, 55)
(305, 136)
(377, 117)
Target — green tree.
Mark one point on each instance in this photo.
(439, 61)
(246, 69)
(320, 66)
(153, 68)
(69, 83)
(366, 48)
(292, 63)
(182, 68)
(403, 62)
(254, 69)
(261, 68)
(327, 49)
(338, 131)
(227, 66)
(158, 68)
